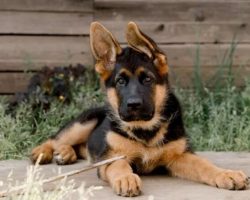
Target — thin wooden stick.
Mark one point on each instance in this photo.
(86, 168)
(67, 174)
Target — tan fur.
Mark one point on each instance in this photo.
(232, 180)
(161, 64)
(62, 146)
(137, 40)
(125, 71)
(113, 99)
(103, 43)
(75, 134)
(81, 151)
(150, 156)
(105, 48)
(193, 167)
(160, 97)
(127, 126)
(65, 154)
(122, 179)
(139, 70)
(174, 156)
(46, 149)
(100, 68)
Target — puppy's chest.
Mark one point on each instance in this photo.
(147, 161)
(144, 158)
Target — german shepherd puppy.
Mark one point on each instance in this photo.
(142, 120)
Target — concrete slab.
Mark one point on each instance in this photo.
(160, 187)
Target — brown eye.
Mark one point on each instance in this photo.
(147, 80)
(121, 81)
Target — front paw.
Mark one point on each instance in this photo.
(64, 155)
(45, 150)
(231, 180)
(127, 185)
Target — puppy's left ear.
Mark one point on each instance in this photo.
(144, 44)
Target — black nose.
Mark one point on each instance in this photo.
(134, 103)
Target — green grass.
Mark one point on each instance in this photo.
(27, 128)
(216, 119)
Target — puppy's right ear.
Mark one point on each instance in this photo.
(105, 48)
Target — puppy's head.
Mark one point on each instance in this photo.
(135, 77)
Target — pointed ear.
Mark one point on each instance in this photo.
(144, 44)
(104, 47)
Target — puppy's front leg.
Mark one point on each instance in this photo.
(193, 167)
(120, 176)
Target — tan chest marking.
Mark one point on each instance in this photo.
(150, 156)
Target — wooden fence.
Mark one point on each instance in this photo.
(35, 33)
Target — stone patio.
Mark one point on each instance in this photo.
(160, 187)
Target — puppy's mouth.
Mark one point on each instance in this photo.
(136, 116)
